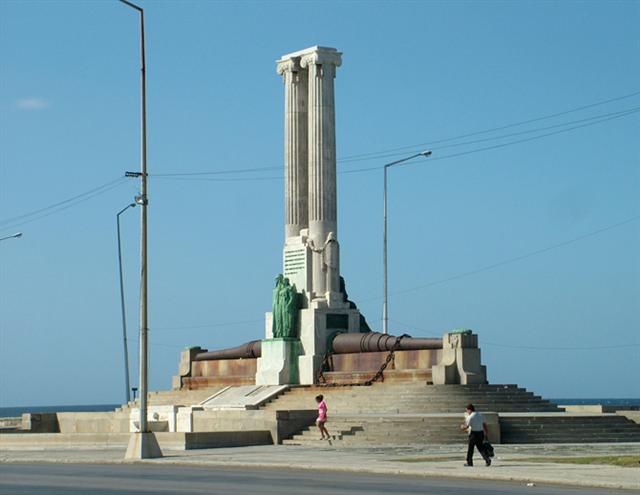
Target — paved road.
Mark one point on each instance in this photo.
(101, 479)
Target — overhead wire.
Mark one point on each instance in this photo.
(509, 260)
(499, 128)
(533, 347)
(441, 281)
(586, 122)
(501, 145)
(64, 205)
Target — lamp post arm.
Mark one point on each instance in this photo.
(14, 236)
(422, 153)
(385, 307)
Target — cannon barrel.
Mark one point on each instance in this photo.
(249, 350)
(346, 343)
(343, 343)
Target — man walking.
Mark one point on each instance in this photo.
(477, 428)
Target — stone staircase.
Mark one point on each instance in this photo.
(420, 414)
(413, 398)
(568, 428)
(172, 397)
(386, 430)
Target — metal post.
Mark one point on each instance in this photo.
(385, 316)
(148, 446)
(385, 309)
(122, 307)
(143, 239)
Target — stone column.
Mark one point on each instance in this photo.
(295, 145)
(321, 64)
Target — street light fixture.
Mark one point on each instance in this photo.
(13, 236)
(124, 319)
(143, 445)
(385, 313)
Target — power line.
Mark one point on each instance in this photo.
(66, 204)
(539, 348)
(60, 203)
(499, 128)
(389, 152)
(441, 281)
(598, 119)
(497, 146)
(510, 260)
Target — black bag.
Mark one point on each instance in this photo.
(488, 448)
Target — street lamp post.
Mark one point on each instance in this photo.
(385, 310)
(143, 445)
(12, 236)
(124, 319)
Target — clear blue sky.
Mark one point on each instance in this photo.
(413, 74)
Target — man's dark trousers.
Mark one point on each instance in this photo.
(476, 439)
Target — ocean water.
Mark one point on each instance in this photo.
(12, 412)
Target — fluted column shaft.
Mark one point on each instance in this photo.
(295, 145)
(321, 65)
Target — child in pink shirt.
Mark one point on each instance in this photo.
(322, 417)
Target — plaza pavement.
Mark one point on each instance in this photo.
(510, 463)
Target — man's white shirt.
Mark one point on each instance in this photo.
(474, 421)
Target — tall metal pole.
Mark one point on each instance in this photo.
(143, 239)
(148, 446)
(385, 315)
(122, 308)
(385, 309)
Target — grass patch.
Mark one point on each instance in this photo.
(617, 460)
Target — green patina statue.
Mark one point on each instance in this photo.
(286, 303)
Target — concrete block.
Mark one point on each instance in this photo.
(279, 362)
(460, 361)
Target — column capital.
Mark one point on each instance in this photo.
(319, 55)
(288, 64)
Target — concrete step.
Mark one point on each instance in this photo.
(172, 397)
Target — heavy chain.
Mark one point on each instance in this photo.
(390, 357)
(322, 381)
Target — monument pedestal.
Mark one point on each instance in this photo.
(460, 363)
(279, 362)
(318, 326)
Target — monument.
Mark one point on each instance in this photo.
(311, 254)
(314, 334)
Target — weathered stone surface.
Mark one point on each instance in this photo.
(460, 362)
(279, 362)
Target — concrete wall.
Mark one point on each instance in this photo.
(93, 422)
(280, 424)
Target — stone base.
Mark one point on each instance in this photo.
(143, 446)
(279, 362)
(318, 326)
(460, 362)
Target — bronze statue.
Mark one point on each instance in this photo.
(286, 304)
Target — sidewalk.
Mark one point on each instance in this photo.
(510, 463)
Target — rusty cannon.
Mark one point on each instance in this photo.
(343, 343)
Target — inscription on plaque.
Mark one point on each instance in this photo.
(295, 261)
(295, 266)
